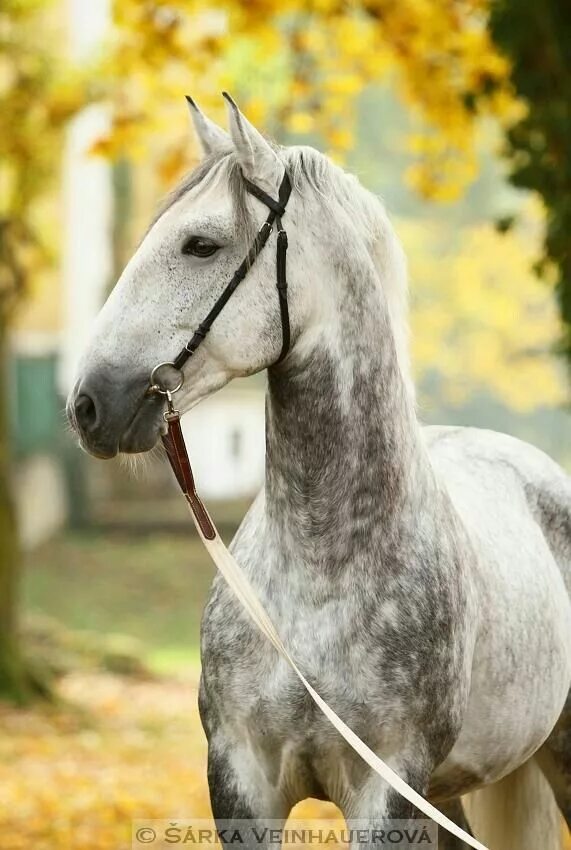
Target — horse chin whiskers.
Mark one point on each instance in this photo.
(135, 465)
(139, 465)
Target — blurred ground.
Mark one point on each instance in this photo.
(114, 748)
(149, 587)
(121, 749)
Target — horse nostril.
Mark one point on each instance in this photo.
(85, 412)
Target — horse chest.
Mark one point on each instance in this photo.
(272, 724)
(361, 658)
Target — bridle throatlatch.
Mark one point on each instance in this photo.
(177, 454)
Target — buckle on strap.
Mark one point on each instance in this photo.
(266, 225)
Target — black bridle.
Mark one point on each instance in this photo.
(276, 211)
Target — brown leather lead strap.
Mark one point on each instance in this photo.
(177, 454)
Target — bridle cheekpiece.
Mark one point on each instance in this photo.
(277, 209)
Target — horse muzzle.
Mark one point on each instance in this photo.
(110, 415)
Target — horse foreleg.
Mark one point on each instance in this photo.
(242, 799)
(454, 810)
(379, 810)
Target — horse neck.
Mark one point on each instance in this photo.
(344, 455)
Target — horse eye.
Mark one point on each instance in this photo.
(199, 247)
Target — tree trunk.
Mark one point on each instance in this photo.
(17, 681)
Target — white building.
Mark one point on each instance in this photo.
(226, 442)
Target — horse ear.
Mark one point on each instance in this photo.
(211, 137)
(258, 160)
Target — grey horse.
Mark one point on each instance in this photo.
(419, 576)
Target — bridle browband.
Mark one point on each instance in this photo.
(277, 209)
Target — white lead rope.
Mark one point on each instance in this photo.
(245, 593)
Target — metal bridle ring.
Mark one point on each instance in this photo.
(157, 387)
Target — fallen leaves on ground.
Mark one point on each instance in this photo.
(74, 777)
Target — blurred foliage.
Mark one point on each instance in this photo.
(121, 749)
(116, 749)
(301, 66)
(40, 90)
(483, 324)
(481, 320)
(537, 39)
